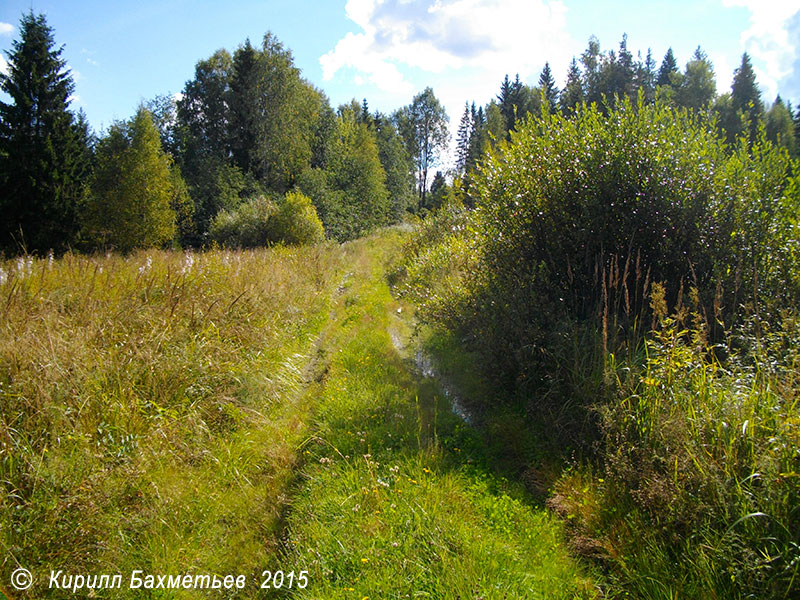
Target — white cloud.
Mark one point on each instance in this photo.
(3, 65)
(461, 48)
(768, 40)
(6, 28)
(488, 37)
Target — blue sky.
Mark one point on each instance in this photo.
(124, 52)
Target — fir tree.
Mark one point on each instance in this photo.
(44, 156)
(745, 96)
(590, 60)
(548, 86)
(465, 128)
(668, 66)
(645, 77)
(572, 94)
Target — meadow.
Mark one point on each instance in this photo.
(237, 412)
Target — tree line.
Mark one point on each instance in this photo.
(248, 128)
(606, 78)
(216, 163)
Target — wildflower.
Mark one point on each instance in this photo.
(188, 261)
(364, 560)
(3, 276)
(146, 267)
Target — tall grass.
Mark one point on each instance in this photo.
(150, 406)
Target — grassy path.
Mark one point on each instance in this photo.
(394, 498)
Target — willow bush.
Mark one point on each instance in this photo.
(618, 278)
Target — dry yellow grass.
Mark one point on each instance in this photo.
(150, 406)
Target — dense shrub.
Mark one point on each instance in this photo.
(577, 217)
(296, 221)
(261, 222)
(248, 226)
(587, 233)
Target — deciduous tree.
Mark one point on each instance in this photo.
(423, 125)
(133, 189)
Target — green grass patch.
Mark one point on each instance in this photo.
(397, 499)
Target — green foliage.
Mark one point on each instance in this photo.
(668, 69)
(745, 96)
(273, 115)
(350, 193)
(262, 222)
(248, 124)
(548, 86)
(439, 191)
(780, 127)
(183, 207)
(587, 232)
(296, 221)
(697, 492)
(44, 149)
(572, 94)
(423, 125)
(247, 226)
(134, 189)
(647, 185)
(697, 86)
(397, 165)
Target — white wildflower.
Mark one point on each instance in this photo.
(146, 267)
(188, 261)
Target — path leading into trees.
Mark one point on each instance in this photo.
(394, 497)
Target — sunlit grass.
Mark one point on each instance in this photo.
(398, 499)
(151, 406)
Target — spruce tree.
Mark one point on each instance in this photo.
(548, 86)
(506, 103)
(44, 156)
(572, 94)
(668, 66)
(745, 96)
(590, 60)
(476, 138)
(645, 77)
(464, 134)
